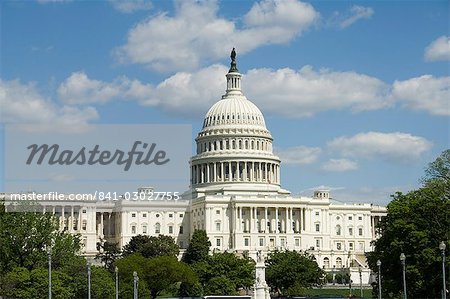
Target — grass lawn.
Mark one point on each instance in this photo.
(344, 292)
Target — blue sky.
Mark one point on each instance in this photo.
(354, 93)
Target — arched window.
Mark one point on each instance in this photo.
(157, 228)
(338, 262)
(326, 262)
(338, 230)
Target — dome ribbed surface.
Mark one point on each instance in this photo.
(231, 111)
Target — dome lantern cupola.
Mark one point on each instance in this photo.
(233, 77)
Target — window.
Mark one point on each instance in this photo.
(318, 243)
(317, 213)
(133, 229)
(350, 246)
(170, 215)
(361, 246)
(218, 242)
(317, 227)
(261, 241)
(181, 215)
(326, 262)
(246, 242)
(84, 211)
(144, 229)
(297, 242)
(181, 229)
(360, 218)
(217, 212)
(338, 246)
(133, 215)
(338, 230)
(217, 226)
(338, 218)
(360, 231)
(350, 218)
(283, 242)
(157, 215)
(350, 231)
(83, 225)
(338, 262)
(170, 229)
(157, 228)
(144, 215)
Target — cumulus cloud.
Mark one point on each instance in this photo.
(130, 6)
(298, 155)
(22, 103)
(426, 93)
(339, 165)
(395, 147)
(165, 42)
(439, 49)
(80, 89)
(306, 92)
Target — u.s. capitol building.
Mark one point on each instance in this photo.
(236, 196)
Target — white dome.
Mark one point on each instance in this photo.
(234, 111)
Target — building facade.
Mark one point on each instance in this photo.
(236, 196)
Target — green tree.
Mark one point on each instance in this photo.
(22, 283)
(24, 237)
(152, 246)
(289, 271)
(415, 224)
(165, 273)
(108, 253)
(198, 248)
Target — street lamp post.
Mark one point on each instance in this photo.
(135, 285)
(89, 279)
(402, 259)
(360, 281)
(116, 270)
(379, 278)
(50, 273)
(444, 289)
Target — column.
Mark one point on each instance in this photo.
(287, 225)
(291, 220)
(207, 173)
(265, 220)
(238, 175)
(252, 175)
(101, 224)
(240, 219)
(63, 218)
(230, 174)
(251, 226)
(202, 173)
(259, 172)
(276, 219)
(265, 172)
(80, 210)
(214, 172)
(245, 174)
(71, 219)
(304, 219)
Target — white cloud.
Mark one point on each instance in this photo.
(196, 32)
(356, 13)
(79, 89)
(339, 165)
(22, 103)
(439, 49)
(298, 155)
(424, 93)
(393, 147)
(130, 6)
(306, 92)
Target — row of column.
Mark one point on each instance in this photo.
(75, 223)
(253, 223)
(235, 171)
(234, 143)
